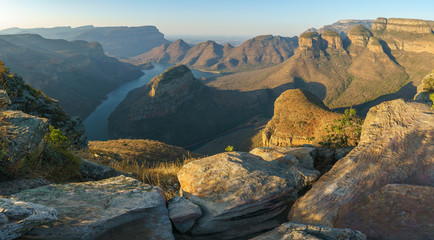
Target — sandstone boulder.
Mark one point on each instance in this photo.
(297, 156)
(396, 211)
(92, 171)
(22, 134)
(17, 217)
(183, 213)
(240, 193)
(8, 188)
(396, 146)
(291, 231)
(114, 208)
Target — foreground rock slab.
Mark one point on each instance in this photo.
(17, 217)
(396, 146)
(114, 208)
(291, 231)
(397, 211)
(183, 213)
(240, 193)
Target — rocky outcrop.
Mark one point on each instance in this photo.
(201, 112)
(5, 101)
(299, 118)
(76, 73)
(359, 36)
(309, 40)
(396, 146)
(403, 25)
(114, 208)
(240, 193)
(425, 89)
(298, 231)
(183, 213)
(374, 45)
(396, 211)
(23, 135)
(25, 98)
(8, 188)
(18, 217)
(342, 27)
(331, 40)
(90, 171)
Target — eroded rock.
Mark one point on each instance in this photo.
(240, 193)
(396, 146)
(105, 209)
(290, 231)
(18, 217)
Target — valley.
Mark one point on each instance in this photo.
(224, 121)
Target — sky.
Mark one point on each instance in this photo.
(205, 17)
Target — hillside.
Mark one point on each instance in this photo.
(258, 52)
(76, 73)
(178, 109)
(348, 72)
(342, 27)
(118, 41)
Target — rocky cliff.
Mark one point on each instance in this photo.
(178, 109)
(18, 95)
(118, 41)
(403, 25)
(76, 73)
(342, 27)
(353, 71)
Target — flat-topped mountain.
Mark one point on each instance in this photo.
(118, 41)
(178, 109)
(77, 73)
(345, 72)
(258, 52)
(342, 27)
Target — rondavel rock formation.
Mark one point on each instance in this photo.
(178, 109)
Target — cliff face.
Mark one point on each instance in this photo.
(404, 25)
(119, 41)
(22, 97)
(257, 52)
(342, 27)
(369, 65)
(77, 73)
(178, 109)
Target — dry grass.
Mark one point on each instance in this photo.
(151, 162)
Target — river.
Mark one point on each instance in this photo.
(96, 123)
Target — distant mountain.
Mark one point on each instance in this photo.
(118, 41)
(343, 26)
(258, 52)
(361, 70)
(178, 109)
(76, 73)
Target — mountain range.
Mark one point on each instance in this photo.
(118, 41)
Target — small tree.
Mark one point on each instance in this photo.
(229, 148)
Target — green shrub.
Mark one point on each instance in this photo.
(428, 83)
(56, 138)
(344, 132)
(229, 148)
(431, 97)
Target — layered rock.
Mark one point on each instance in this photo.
(309, 40)
(404, 25)
(201, 112)
(18, 217)
(115, 208)
(240, 193)
(288, 231)
(396, 211)
(374, 45)
(396, 146)
(359, 36)
(331, 40)
(299, 118)
(342, 27)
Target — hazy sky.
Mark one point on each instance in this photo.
(205, 17)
